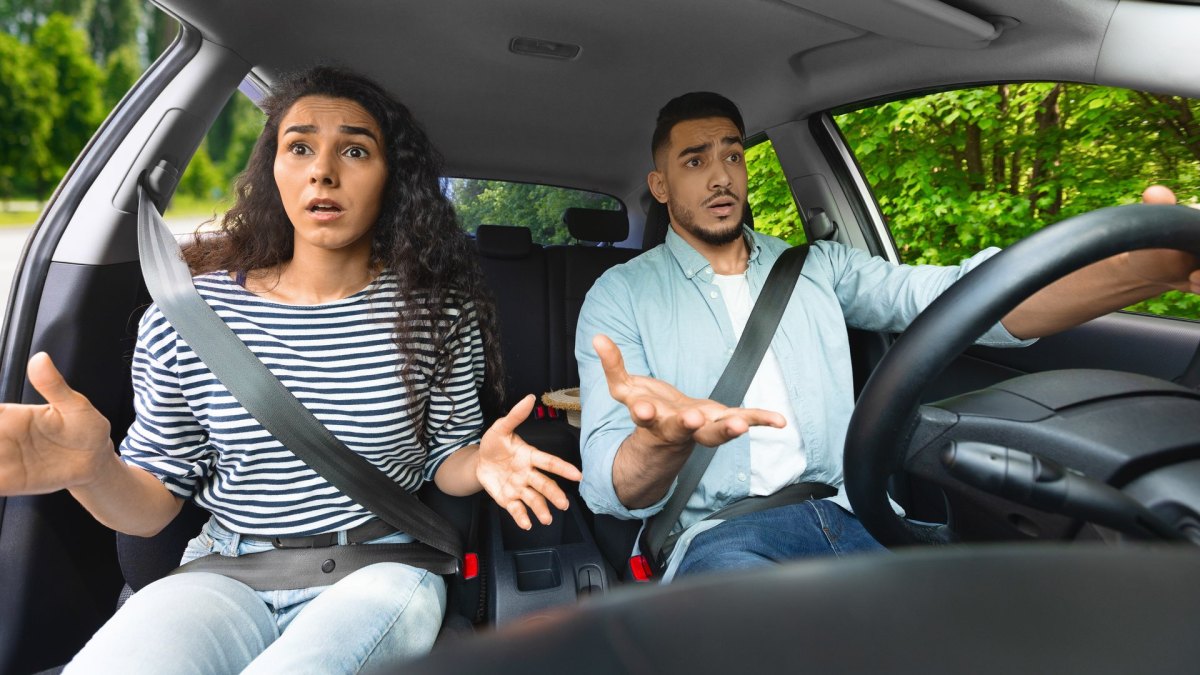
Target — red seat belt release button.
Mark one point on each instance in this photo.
(640, 567)
(470, 566)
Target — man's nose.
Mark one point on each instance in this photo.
(721, 177)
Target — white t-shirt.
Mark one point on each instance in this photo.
(776, 455)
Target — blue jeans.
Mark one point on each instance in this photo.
(804, 530)
(199, 622)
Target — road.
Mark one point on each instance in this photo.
(12, 243)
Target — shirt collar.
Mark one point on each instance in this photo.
(691, 262)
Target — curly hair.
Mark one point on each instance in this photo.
(416, 237)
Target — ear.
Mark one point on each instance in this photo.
(658, 186)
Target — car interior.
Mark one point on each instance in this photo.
(987, 576)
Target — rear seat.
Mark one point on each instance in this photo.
(539, 292)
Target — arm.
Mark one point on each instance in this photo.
(509, 469)
(667, 426)
(1106, 286)
(65, 444)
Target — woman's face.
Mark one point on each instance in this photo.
(331, 170)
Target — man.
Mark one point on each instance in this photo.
(673, 315)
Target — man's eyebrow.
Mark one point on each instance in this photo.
(697, 149)
(345, 129)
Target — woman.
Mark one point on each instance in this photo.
(343, 268)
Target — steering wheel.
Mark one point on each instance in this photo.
(887, 430)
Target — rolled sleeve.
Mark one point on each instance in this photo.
(165, 440)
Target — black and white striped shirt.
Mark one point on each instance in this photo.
(340, 360)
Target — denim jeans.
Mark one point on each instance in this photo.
(199, 622)
(808, 529)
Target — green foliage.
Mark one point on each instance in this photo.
(79, 108)
(538, 207)
(25, 129)
(120, 73)
(202, 178)
(242, 124)
(770, 197)
(959, 171)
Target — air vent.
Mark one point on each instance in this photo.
(549, 49)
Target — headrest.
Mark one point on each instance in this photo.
(596, 224)
(503, 241)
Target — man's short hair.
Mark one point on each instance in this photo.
(696, 105)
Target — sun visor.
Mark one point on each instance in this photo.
(923, 22)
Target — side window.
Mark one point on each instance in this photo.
(538, 207)
(959, 171)
(770, 196)
(206, 188)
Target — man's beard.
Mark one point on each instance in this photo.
(683, 217)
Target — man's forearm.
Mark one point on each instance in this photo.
(643, 472)
(1095, 290)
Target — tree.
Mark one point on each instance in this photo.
(80, 108)
(27, 90)
(958, 171)
(770, 196)
(112, 25)
(120, 73)
(201, 178)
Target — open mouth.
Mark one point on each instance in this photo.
(324, 208)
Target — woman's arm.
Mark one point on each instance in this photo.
(509, 469)
(65, 444)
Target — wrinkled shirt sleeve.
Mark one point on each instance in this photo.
(877, 295)
(606, 423)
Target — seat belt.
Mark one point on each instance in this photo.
(262, 394)
(730, 390)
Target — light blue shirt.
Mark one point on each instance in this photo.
(668, 318)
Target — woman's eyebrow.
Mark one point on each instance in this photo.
(345, 129)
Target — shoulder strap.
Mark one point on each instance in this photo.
(731, 387)
(264, 396)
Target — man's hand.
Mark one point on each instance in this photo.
(666, 416)
(668, 425)
(1163, 266)
(511, 470)
(44, 448)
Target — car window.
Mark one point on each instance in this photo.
(770, 196)
(205, 190)
(538, 207)
(958, 171)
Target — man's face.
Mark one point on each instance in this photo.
(700, 174)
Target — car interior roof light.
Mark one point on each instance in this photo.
(527, 46)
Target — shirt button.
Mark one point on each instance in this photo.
(712, 294)
(742, 477)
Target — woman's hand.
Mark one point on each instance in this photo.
(44, 448)
(511, 470)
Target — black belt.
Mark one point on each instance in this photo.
(368, 531)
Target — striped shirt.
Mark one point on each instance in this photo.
(340, 360)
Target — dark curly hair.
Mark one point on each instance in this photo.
(416, 237)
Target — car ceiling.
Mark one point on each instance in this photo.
(586, 122)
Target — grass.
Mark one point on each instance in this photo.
(181, 205)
